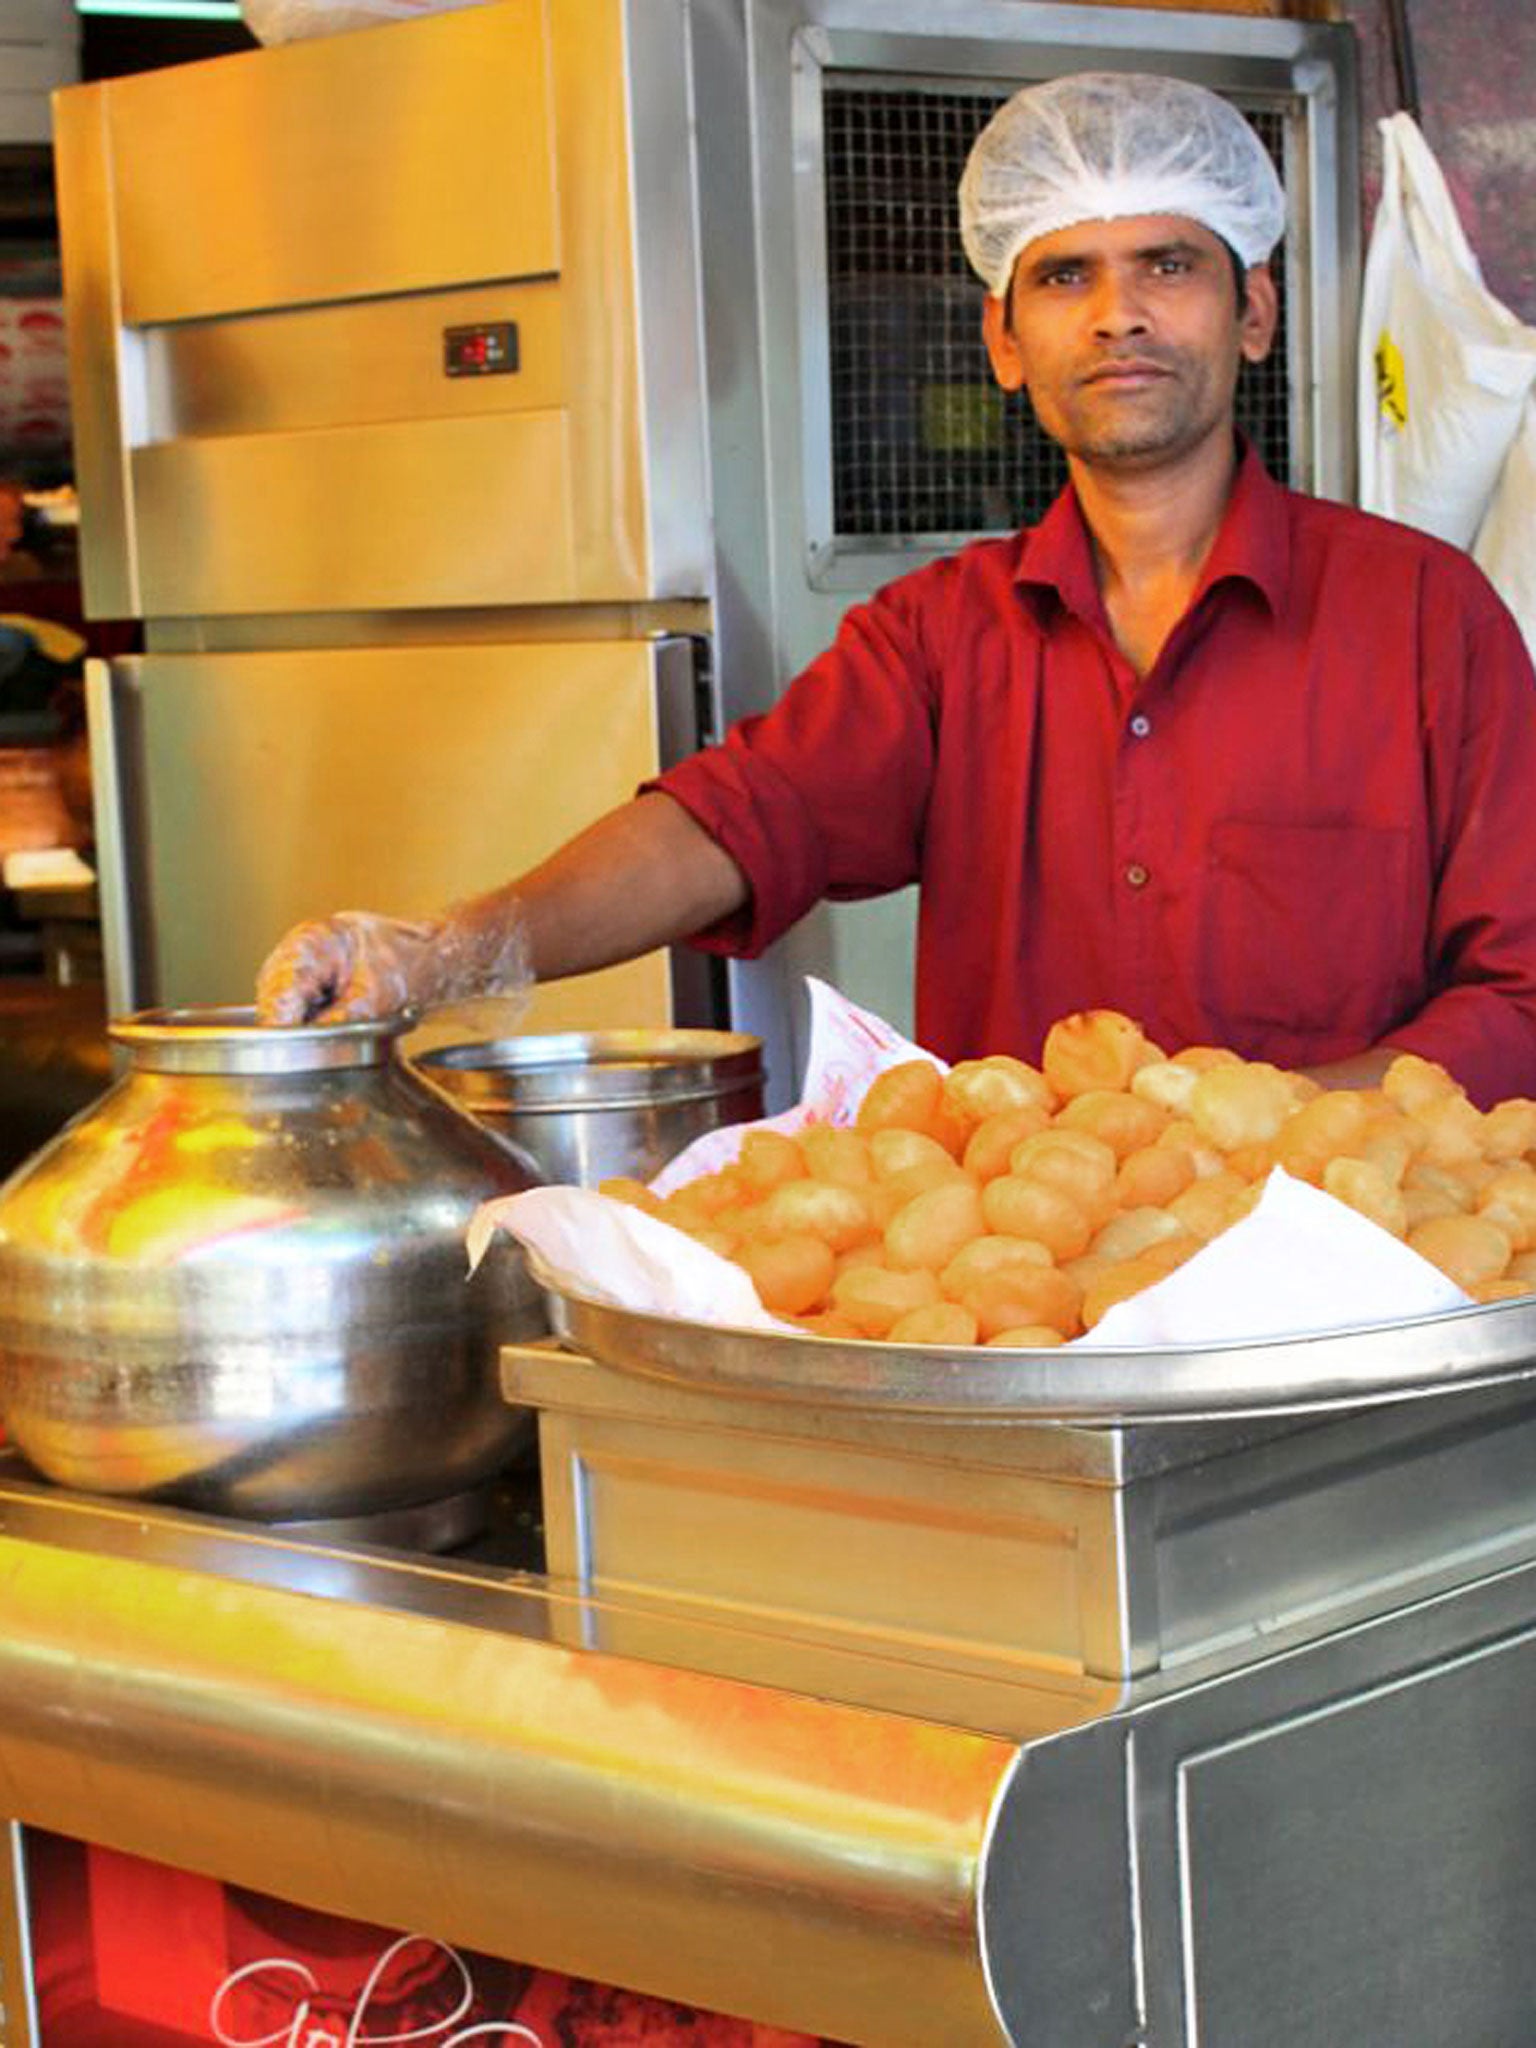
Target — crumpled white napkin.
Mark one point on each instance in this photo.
(1298, 1263)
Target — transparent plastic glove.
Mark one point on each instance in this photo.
(357, 964)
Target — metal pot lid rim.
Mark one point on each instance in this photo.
(729, 1052)
(226, 1039)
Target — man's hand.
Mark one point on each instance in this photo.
(340, 969)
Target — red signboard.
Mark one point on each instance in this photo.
(129, 1954)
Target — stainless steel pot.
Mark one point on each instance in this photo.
(585, 1105)
(238, 1281)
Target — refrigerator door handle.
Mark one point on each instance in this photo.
(106, 708)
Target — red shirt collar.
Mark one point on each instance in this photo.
(1252, 545)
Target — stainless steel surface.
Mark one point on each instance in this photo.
(266, 291)
(1328, 1841)
(411, 1742)
(1013, 1575)
(239, 1279)
(1421, 1355)
(589, 1104)
(1328, 1848)
(399, 778)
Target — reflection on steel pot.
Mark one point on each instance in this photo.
(238, 1281)
(589, 1104)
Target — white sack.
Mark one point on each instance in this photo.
(1445, 369)
(1506, 541)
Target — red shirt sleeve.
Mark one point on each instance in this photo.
(826, 795)
(1479, 702)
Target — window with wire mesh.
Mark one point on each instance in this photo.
(924, 443)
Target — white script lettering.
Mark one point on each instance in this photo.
(279, 1976)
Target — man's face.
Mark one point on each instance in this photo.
(1128, 337)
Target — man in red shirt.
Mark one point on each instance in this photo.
(1253, 768)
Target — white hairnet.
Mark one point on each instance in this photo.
(1103, 145)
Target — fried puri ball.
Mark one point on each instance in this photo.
(1201, 1058)
(989, 1253)
(940, 1322)
(792, 1275)
(1367, 1190)
(1325, 1128)
(1208, 1207)
(977, 1089)
(1134, 1231)
(990, 1145)
(1246, 1104)
(827, 1322)
(769, 1158)
(1027, 1337)
(874, 1299)
(895, 1151)
(839, 1156)
(1420, 1204)
(1499, 1290)
(1413, 1083)
(1453, 1129)
(1152, 1177)
(910, 1097)
(701, 1202)
(1467, 1249)
(1509, 1129)
(1074, 1160)
(1028, 1294)
(1122, 1121)
(1094, 1049)
(1182, 1136)
(1166, 1084)
(903, 1097)
(1509, 1200)
(930, 1229)
(840, 1216)
(1022, 1205)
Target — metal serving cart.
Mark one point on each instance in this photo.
(1192, 1704)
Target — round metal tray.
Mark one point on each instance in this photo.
(1398, 1361)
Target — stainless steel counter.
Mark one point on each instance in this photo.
(1278, 1787)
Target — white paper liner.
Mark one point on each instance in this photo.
(1299, 1262)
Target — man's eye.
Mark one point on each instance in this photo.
(1065, 273)
(1170, 266)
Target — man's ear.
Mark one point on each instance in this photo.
(1002, 349)
(1259, 316)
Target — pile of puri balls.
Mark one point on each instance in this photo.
(1012, 1205)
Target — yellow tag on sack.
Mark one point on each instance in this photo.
(1391, 381)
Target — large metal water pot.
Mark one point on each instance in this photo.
(239, 1282)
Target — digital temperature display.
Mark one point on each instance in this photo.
(485, 351)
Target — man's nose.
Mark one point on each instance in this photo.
(1118, 307)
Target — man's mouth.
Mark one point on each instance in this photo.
(1129, 371)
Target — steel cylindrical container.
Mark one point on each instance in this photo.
(588, 1104)
(238, 1281)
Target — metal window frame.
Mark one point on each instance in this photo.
(1307, 69)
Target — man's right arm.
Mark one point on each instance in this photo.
(642, 876)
